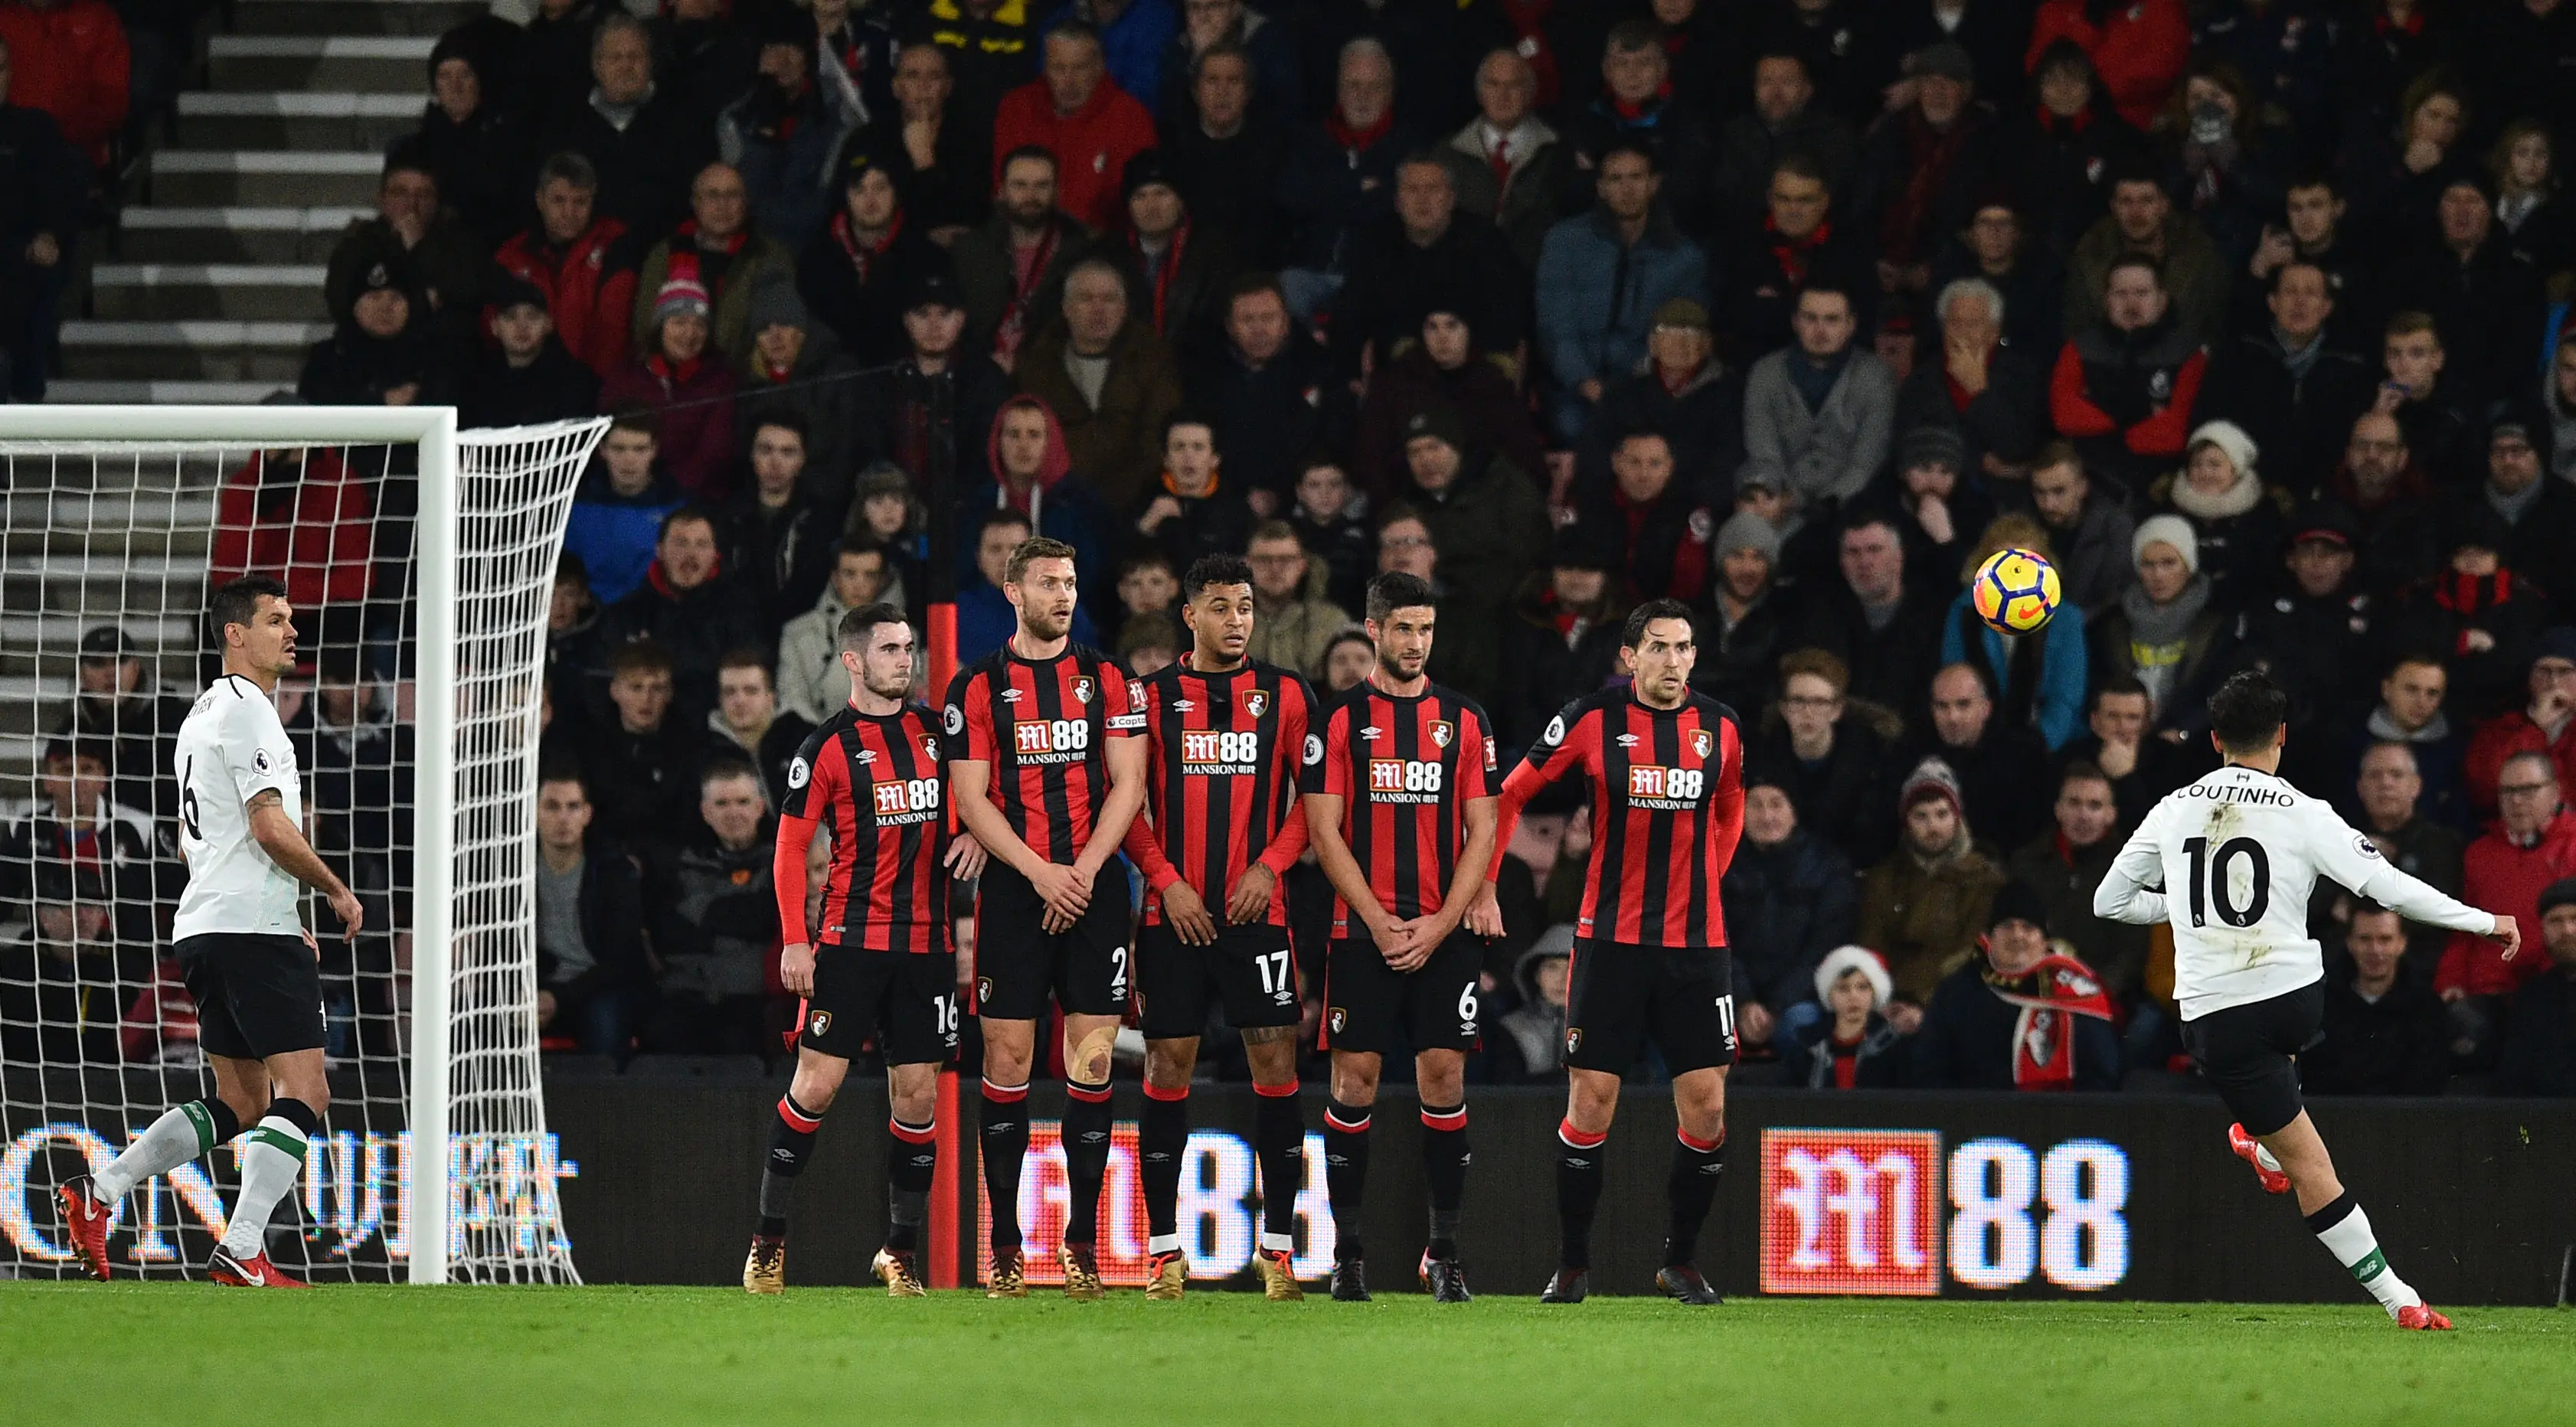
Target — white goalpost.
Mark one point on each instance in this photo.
(425, 717)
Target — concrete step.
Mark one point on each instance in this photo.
(132, 521)
(232, 235)
(262, 178)
(51, 634)
(369, 64)
(293, 119)
(351, 17)
(189, 351)
(161, 393)
(172, 292)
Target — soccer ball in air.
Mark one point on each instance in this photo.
(2016, 591)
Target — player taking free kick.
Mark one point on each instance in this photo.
(1399, 802)
(1047, 769)
(2236, 854)
(1225, 737)
(1666, 771)
(247, 959)
(879, 963)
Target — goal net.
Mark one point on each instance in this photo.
(420, 562)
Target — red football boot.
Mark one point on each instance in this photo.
(86, 1216)
(2422, 1318)
(2247, 1148)
(253, 1272)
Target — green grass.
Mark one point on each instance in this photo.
(183, 1353)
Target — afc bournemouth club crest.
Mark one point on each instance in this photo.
(1082, 690)
(1256, 703)
(1573, 1039)
(983, 989)
(1701, 742)
(819, 1024)
(1338, 1019)
(930, 748)
(1441, 732)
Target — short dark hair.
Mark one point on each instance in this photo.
(852, 634)
(2133, 259)
(744, 656)
(1397, 590)
(569, 166)
(1038, 152)
(729, 767)
(1633, 632)
(565, 773)
(785, 418)
(1209, 570)
(1186, 417)
(1636, 148)
(81, 748)
(2123, 685)
(2247, 711)
(1634, 34)
(702, 514)
(642, 656)
(863, 544)
(1798, 163)
(1032, 550)
(635, 416)
(995, 519)
(1246, 284)
(2273, 289)
(2082, 770)
(237, 601)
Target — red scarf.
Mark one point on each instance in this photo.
(1163, 275)
(661, 581)
(1631, 113)
(2412, 25)
(2050, 995)
(686, 239)
(1930, 155)
(673, 374)
(1358, 141)
(1794, 255)
(2070, 124)
(862, 254)
(1015, 316)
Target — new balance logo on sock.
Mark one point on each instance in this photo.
(2370, 1267)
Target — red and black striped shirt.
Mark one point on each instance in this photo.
(1667, 808)
(1044, 726)
(881, 787)
(1405, 770)
(1221, 781)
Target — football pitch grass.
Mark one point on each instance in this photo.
(187, 1353)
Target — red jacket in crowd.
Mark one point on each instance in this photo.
(696, 418)
(315, 531)
(2501, 738)
(1091, 146)
(592, 303)
(70, 60)
(2076, 408)
(2139, 49)
(2507, 879)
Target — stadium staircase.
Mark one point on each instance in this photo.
(210, 287)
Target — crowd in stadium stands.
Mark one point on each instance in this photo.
(2250, 314)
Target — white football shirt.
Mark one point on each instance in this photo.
(2237, 853)
(231, 747)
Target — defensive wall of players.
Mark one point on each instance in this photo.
(1854, 1192)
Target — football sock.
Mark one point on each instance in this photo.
(270, 1160)
(791, 1143)
(1161, 1140)
(2345, 1231)
(909, 1162)
(1279, 1144)
(1346, 1154)
(1691, 1189)
(1444, 1168)
(1578, 1193)
(180, 1135)
(1086, 1159)
(1006, 1143)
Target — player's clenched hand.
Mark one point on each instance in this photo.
(796, 969)
(2509, 932)
(1485, 915)
(1187, 914)
(1249, 902)
(1064, 890)
(345, 906)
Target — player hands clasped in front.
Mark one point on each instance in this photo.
(1400, 806)
(248, 961)
(1666, 770)
(2236, 855)
(879, 962)
(1225, 738)
(1047, 770)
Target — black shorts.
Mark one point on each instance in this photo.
(906, 1000)
(1370, 1006)
(258, 994)
(2246, 1051)
(1018, 963)
(1249, 969)
(1616, 996)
